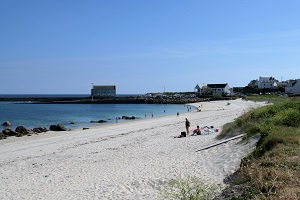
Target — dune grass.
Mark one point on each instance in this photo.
(272, 170)
(189, 188)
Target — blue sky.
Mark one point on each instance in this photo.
(63, 46)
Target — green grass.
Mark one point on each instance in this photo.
(272, 171)
(188, 188)
(270, 98)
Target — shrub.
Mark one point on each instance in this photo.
(252, 129)
(288, 117)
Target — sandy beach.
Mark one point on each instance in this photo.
(129, 160)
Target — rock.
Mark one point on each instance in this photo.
(7, 123)
(19, 135)
(126, 117)
(99, 121)
(30, 133)
(39, 130)
(58, 127)
(9, 132)
(22, 130)
(85, 128)
(2, 136)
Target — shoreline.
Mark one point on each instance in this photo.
(87, 116)
(121, 161)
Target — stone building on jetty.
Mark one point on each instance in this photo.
(103, 91)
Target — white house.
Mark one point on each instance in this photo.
(293, 87)
(223, 89)
(200, 89)
(267, 82)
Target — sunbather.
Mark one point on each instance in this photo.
(197, 131)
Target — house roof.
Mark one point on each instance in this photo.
(293, 82)
(267, 79)
(253, 82)
(217, 85)
(199, 86)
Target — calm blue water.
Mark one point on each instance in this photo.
(35, 115)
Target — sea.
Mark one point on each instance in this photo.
(78, 116)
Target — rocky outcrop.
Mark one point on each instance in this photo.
(58, 127)
(9, 132)
(7, 123)
(39, 130)
(126, 117)
(22, 130)
(99, 121)
(2, 136)
(19, 132)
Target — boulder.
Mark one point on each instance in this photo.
(2, 136)
(126, 117)
(30, 133)
(7, 123)
(99, 121)
(58, 127)
(19, 135)
(39, 130)
(9, 132)
(22, 130)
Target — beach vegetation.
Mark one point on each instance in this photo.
(188, 188)
(272, 170)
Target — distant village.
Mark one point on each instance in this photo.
(262, 85)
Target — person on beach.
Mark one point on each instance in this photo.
(183, 134)
(177, 114)
(197, 131)
(187, 125)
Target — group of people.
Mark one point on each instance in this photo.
(197, 131)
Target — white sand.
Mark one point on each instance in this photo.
(122, 161)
